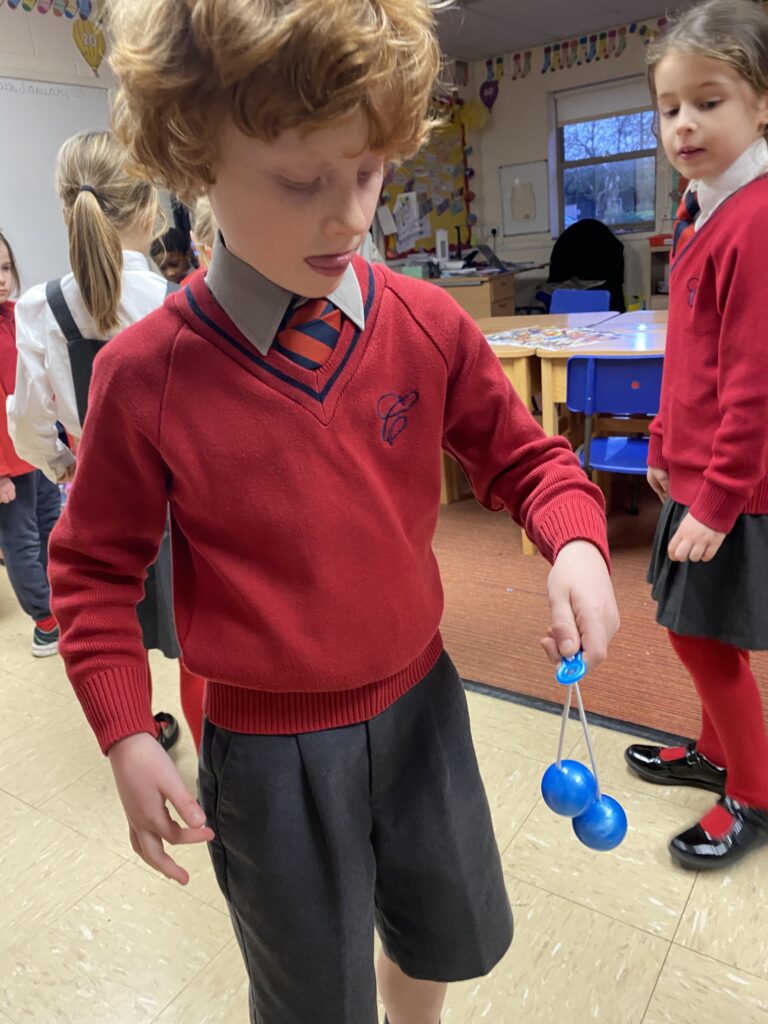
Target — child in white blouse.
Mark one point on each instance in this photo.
(60, 325)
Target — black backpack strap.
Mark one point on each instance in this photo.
(82, 351)
(55, 299)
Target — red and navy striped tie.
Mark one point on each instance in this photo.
(684, 228)
(309, 332)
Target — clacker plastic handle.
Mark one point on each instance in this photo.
(571, 670)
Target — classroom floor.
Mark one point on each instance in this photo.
(89, 934)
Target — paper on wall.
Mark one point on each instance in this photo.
(522, 201)
(407, 220)
(386, 220)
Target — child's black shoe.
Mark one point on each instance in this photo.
(739, 830)
(692, 769)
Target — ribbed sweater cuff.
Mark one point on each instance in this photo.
(116, 704)
(655, 457)
(716, 508)
(580, 519)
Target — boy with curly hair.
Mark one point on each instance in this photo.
(291, 407)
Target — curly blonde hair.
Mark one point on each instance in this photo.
(205, 227)
(184, 66)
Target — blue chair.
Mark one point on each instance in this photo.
(617, 386)
(578, 300)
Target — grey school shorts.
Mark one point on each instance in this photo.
(322, 836)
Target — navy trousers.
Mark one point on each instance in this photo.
(25, 526)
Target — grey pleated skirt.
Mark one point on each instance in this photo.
(725, 599)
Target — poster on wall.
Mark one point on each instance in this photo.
(525, 198)
(428, 193)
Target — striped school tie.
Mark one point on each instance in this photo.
(684, 222)
(309, 332)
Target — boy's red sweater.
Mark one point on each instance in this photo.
(303, 505)
(711, 434)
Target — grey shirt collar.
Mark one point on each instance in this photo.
(257, 305)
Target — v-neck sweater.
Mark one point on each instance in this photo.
(710, 434)
(303, 505)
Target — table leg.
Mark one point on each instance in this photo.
(518, 372)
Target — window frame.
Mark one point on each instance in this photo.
(627, 227)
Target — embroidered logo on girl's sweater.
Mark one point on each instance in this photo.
(392, 409)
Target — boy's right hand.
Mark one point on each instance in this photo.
(659, 481)
(146, 778)
(7, 490)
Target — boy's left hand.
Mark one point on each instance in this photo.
(582, 605)
(694, 542)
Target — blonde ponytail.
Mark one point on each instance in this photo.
(100, 199)
(96, 258)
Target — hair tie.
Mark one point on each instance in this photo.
(89, 188)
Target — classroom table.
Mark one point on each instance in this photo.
(522, 370)
(521, 367)
(493, 324)
(644, 319)
(529, 369)
(553, 364)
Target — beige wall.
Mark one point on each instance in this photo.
(40, 47)
(519, 130)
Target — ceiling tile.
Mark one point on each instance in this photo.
(483, 28)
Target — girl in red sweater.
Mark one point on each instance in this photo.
(708, 458)
(29, 503)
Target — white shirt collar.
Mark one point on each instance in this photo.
(133, 260)
(750, 165)
(257, 305)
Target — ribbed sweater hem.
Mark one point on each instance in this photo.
(265, 712)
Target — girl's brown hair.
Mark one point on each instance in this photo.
(186, 65)
(14, 267)
(733, 31)
(100, 199)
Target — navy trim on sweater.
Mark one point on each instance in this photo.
(255, 357)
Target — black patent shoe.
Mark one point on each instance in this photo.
(697, 849)
(169, 729)
(693, 769)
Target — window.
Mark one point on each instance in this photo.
(608, 170)
(603, 155)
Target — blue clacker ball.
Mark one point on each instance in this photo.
(568, 788)
(603, 825)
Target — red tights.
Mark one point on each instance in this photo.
(733, 732)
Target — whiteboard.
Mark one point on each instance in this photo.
(35, 119)
(525, 198)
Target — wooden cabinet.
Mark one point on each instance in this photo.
(484, 295)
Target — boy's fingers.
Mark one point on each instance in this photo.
(564, 631)
(187, 808)
(595, 644)
(551, 651)
(154, 854)
(179, 836)
(135, 844)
